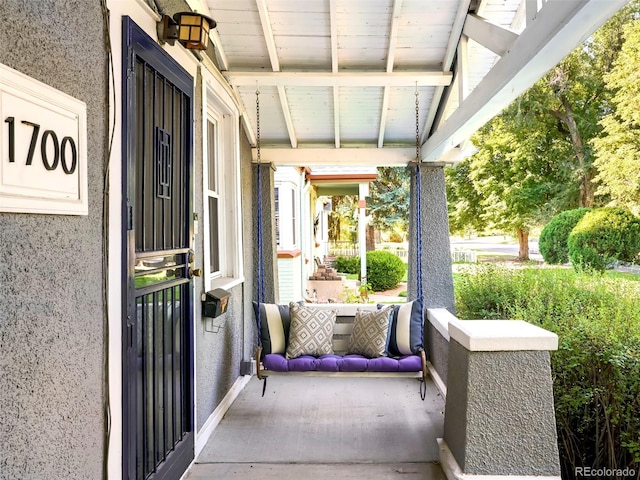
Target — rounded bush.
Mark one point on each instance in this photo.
(602, 236)
(555, 235)
(384, 270)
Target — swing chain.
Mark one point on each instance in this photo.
(417, 124)
(258, 122)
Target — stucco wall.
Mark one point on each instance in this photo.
(51, 307)
(499, 412)
(437, 278)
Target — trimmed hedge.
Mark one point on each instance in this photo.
(555, 235)
(347, 264)
(603, 236)
(596, 369)
(384, 270)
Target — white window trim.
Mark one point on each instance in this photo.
(221, 108)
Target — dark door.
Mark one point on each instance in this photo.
(157, 323)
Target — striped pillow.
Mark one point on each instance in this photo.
(407, 327)
(275, 321)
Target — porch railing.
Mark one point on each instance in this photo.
(349, 249)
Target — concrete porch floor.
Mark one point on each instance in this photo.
(314, 428)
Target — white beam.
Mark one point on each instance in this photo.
(383, 117)
(340, 79)
(265, 21)
(333, 21)
(462, 72)
(447, 61)
(336, 116)
(393, 34)
(286, 111)
(493, 37)
(370, 156)
(391, 55)
(560, 26)
(267, 31)
(333, 14)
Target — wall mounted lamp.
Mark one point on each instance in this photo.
(189, 28)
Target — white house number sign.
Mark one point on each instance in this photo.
(43, 135)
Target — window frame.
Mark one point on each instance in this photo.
(220, 109)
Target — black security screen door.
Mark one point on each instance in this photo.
(157, 329)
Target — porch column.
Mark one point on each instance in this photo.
(437, 277)
(270, 267)
(499, 415)
(363, 192)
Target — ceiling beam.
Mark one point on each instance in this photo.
(493, 37)
(447, 61)
(333, 22)
(559, 27)
(371, 156)
(336, 116)
(391, 56)
(340, 79)
(269, 39)
(267, 31)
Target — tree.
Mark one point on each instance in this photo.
(389, 199)
(617, 149)
(535, 159)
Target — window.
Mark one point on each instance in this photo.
(286, 213)
(221, 190)
(213, 195)
(277, 215)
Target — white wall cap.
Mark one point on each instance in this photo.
(501, 335)
(440, 318)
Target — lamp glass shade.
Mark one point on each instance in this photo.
(193, 30)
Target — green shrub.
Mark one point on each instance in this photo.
(384, 270)
(603, 236)
(347, 264)
(554, 236)
(596, 369)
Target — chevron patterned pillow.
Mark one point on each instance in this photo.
(311, 331)
(370, 332)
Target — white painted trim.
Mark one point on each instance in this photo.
(203, 435)
(340, 79)
(310, 156)
(501, 335)
(344, 309)
(489, 35)
(453, 472)
(437, 380)
(440, 318)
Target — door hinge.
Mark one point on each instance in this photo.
(130, 61)
(129, 217)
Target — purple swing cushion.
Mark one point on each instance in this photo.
(336, 363)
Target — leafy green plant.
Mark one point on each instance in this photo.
(553, 241)
(596, 369)
(603, 236)
(384, 270)
(347, 264)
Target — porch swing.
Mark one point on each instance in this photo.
(340, 341)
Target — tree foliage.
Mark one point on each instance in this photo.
(536, 158)
(389, 199)
(617, 149)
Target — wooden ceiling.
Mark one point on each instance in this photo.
(338, 79)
